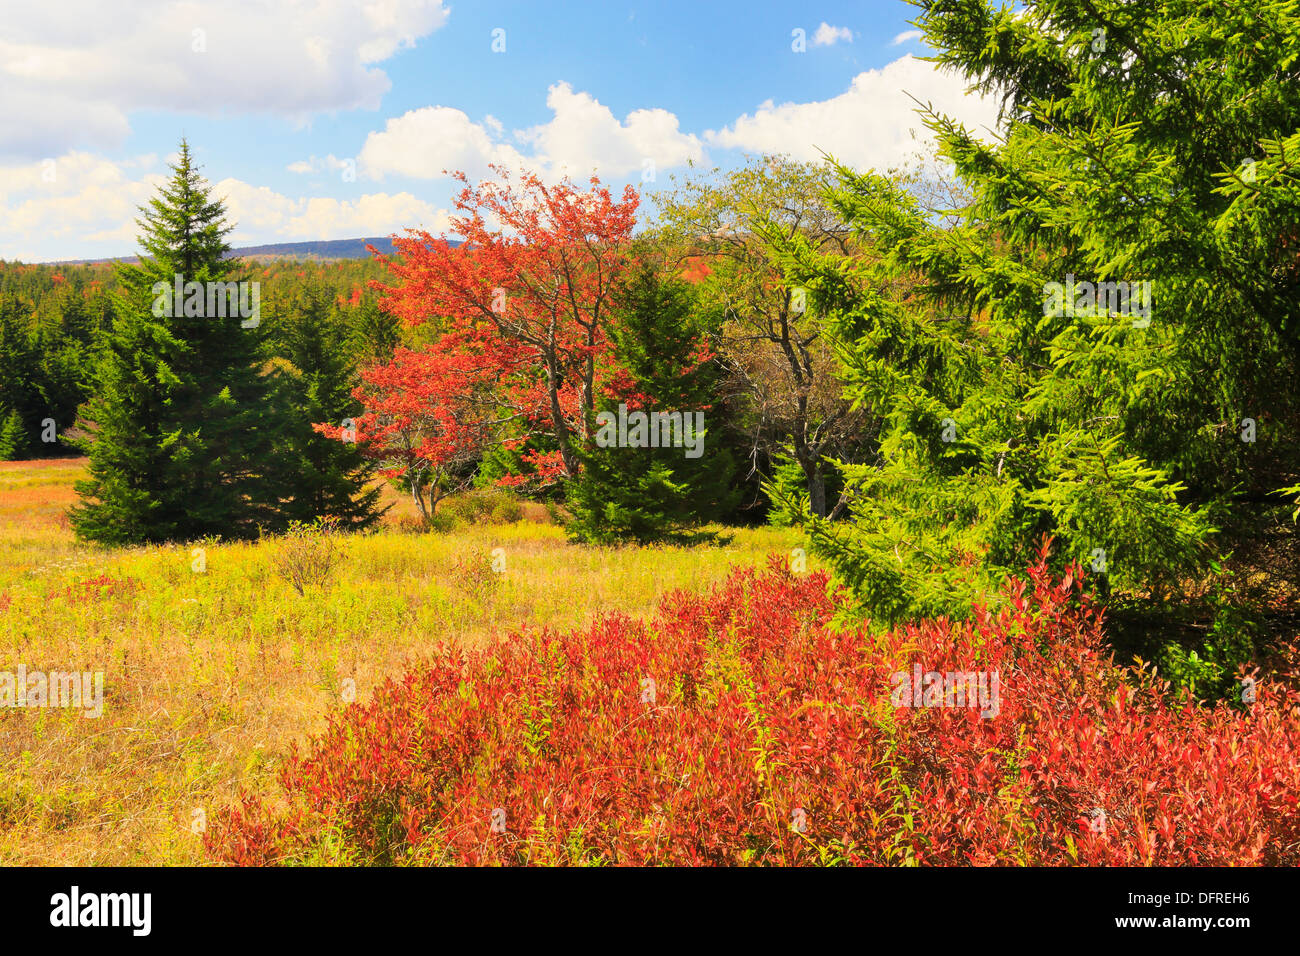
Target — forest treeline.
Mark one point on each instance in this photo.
(52, 317)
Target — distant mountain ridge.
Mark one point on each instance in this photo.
(324, 250)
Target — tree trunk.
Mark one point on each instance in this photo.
(817, 493)
(417, 493)
(562, 436)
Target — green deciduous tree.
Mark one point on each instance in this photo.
(782, 368)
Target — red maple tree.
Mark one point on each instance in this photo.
(526, 300)
(528, 288)
(429, 415)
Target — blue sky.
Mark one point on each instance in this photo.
(326, 119)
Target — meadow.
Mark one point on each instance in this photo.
(211, 675)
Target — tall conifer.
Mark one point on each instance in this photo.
(649, 494)
(175, 431)
(313, 375)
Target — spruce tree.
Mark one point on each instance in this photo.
(313, 375)
(175, 431)
(12, 439)
(1142, 143)
(20, 400)
(652, 494)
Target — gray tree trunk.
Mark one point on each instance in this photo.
(817, 494)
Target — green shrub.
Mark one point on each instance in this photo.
(484, 506)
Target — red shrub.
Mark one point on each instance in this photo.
(770, 736)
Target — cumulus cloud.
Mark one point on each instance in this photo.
(264, 215)
(907, 35)
(422, 143)
(71, 72)
(583, 136)
(873, 124)
(52, 204)
(828, 35)
(85, 205)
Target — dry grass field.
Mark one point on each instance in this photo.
(211, 674)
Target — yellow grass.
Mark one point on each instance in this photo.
(208, 677)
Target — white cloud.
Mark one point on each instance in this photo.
(77, 197)
(267, 216)
(828, 35)
(82, 205)
(423, 143)
(330, 164)
(871, 125)
(36, 123)
(907, 35)
(583, 136)
(71, 72)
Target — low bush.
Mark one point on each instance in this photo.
(484, 506)
(439, 523)
(475, 575)
(307, 553)
(745, 727)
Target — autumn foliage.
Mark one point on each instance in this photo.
(745, 728)
(428, 417)
(526, 298)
